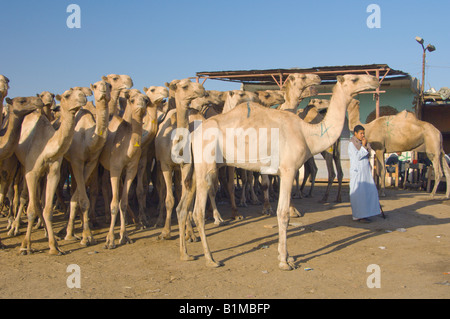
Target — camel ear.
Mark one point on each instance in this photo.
(173, 85)
(9, 101)
(92, 86)
(37, 94)
(231, 93)
(104, 78)
(340, 78)
(58, 97)
(145, 89)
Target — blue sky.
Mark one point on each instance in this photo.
(158, 41)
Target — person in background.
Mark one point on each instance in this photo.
(363, 191)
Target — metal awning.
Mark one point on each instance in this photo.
(327, 74)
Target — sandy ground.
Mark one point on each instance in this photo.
(332, 254)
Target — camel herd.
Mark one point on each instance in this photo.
(126, 139)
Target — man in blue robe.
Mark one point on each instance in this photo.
(363, 191)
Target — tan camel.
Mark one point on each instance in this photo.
(183, 92)
(399, 133)
(311, 114)
(4, 86)
(49, 104)
(19, 107)
(157, 96)
(120, 156)
(40, 151)
(119, 83)
(297, 141)
(88, 141)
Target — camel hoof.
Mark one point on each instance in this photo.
(71, 238)
(238, 217)
(187, 258)
(85, 242)
(164, 236)
(56, 252)
(285, 266)
(213, 264)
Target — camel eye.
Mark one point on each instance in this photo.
(354, 80)
(132, 101)
(152, 90)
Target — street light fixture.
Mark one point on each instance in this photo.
(429, 48)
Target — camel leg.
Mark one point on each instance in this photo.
(187, 197)
(253, 198)
(381, 170)
(230, 186)
(243, 200)
(50, 190)
(205, 181)
(267, 208)
(114, 208)
(446, 170)
(313, 171)
(283, 209)
(123, 205)
(331, 174)
(340, 172)
(169, 203)
(14, 231)
(436, 160)
(141, 191)
(33, 211)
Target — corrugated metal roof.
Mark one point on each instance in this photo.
(326, 73)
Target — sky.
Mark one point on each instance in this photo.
(157, 41)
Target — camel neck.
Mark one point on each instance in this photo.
(101, 125)
(182, 115)
(324, 134)
(113, 102)
(150, 128)
(11, 136)
(60, 142)
(2, 98)
(353, 115)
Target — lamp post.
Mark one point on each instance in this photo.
(429, 48)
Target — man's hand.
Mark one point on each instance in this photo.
(364, 142)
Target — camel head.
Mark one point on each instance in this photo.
(118, 82)
(156, 94)
(47, 98)
(270, 98)
(211, 98)
(138, 103)
(73, 99)
(22, 106)
(186, 90)
(236, 97)
(320, 104)
(298, 82)
(102, 91)
(353, 84)
(4, 86)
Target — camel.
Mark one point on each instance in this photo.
(49, 103)
(311, 114)
(183, 92)
(19, 107)
(119, 83)
(4, 86)
(157, 95)
(40, 151)
(83, 154)
(399, 133)
(297, 141)
(120, 156)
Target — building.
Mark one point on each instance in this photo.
(398, 90)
